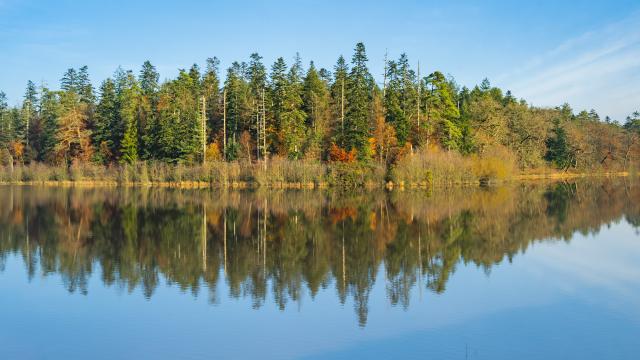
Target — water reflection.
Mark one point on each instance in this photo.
(284, 244)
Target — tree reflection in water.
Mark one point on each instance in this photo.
(285, 243)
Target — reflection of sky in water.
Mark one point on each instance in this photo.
(558, 300)
(610, 263)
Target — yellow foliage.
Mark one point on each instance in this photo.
(17, 149)
(213, 152)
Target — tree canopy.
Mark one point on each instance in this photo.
(298, 111)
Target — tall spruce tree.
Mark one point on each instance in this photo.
(339, 99)
(28, 116)
(148, 79)
(6, 131)
(316, 105)
(50, 111)
(237, 110)
(69, 81)
(107, 124)
(393, 103)
(278, 89)
(292, 116)
(211, 92)
(129, 100)
(147, 127)
(84, 86)
(257, 78)
(442, 111)
(359, 96)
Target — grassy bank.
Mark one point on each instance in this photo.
(419, 170)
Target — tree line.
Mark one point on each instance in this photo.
(339, 115)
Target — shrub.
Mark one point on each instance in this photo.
(437, 167)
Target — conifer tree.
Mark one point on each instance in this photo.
(360, 86)
(194, 74)
(148, 79)
(69, 81)
(316, 105)
(211, 92)
(147, 128)
(128, 110)
(292, 116)
(50, 111)
(106, 123)
(278, 88)
(6, 133)
(28, 116)
(257, 78)
(442, 111)
(339, 99)
(84, 86)
(393, 103)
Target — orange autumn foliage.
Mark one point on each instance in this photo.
(17, 149)
(339, 154)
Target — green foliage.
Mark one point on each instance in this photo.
(442, 111)
(232, 151)
(633, 122)
(129, 100)
(359, 98)
(292, 117)
(297, 113)
(401, 97)
(316, 105)
(349, 175)
(558, 149)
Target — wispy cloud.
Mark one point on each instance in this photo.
(599, 69)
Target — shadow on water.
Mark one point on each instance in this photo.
(281, 244)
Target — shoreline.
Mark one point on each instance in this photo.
(244, 185)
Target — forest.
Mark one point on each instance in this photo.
(297, 123)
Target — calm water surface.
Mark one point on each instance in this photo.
(546, 271)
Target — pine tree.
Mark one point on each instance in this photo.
(51, 110)
(84, 86)
(128, 108)
(442, 111)
(211, 92)
(558, 149)
(147, 127)
(408, 93)
(236, 90)
(278, 88)
(395, 113)
(359, 98)
(194, 74)
(257, 78)
(292, 115)
(148, 79)
(6, 131)
(28, 115)
(339, 99)
(179, 134)
(69, 81)
(401, 101)
(316, 100)
(107, 123)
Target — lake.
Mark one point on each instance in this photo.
(524, 271)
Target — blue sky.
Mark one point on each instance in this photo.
(586, 53)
